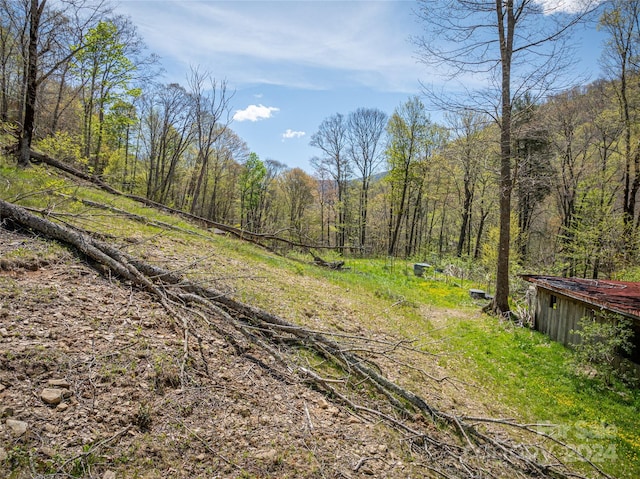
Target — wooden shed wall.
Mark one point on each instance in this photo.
(557, 321)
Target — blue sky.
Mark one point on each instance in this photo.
(294, 63)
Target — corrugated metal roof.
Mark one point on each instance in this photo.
(618, 296)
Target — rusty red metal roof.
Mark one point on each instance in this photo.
(617, 296)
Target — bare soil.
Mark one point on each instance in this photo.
(126, 410)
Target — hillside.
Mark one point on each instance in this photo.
(119, 355)
(111, 379)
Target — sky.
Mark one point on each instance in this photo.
(292, 64)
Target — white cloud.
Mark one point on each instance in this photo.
(285, 43)
(292, 134)
(255, 113)
(565, 6)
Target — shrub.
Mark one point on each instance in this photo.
(604, 338)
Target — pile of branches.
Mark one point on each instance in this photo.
(452, 446)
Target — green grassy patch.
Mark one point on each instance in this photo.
(534, 377)
(398, 281)
(516, 371)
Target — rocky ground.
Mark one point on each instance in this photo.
(93, 384)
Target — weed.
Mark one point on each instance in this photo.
(185, 410)
(9, 288)
(81, 466)
(603, 339)
(19, 457)
(166, 374)
(143, 418)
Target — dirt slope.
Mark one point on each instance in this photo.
(115, 357)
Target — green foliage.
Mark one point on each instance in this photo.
(63, 146)
(115, 166)
(106, 71)
(82, 465)
(398, 284)
(120, 118)
(251, 184)
(413, 142)
(603, 339)
(489, 251)
(595, 235)
(630, 273)
(18, 457)
(25, 457)
(143, 419)
(104, 56)
(533, 376)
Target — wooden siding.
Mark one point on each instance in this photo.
(558, 322)
(557, 318)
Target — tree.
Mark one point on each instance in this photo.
(272, 210)
(516, 49)
(570, 144)
(211, 119)
(106, 66)
(606, 132)
(588, 146)
(468, 154)
(597, 233)
(298, 188)
(621, 21)
(535, 174)
(251, 185)
(118, 126)
(409, 131)
(332, 139)
(365, 129)
(8, 64)
(43, 26)
(31, 82)
(166, 131)
(326, 194)
(229, 151)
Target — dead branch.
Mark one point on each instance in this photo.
(327, 264)
(266, 331)
(133, 216)
(532, 429)
(255, 238)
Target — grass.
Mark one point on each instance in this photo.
(513, 371)
(399, 283)
(535, 378)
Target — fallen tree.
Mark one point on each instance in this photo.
(261, 239)
(456, 446)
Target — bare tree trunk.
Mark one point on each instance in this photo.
(57, 110)
(400, 216)
(28, 124)
(506, 26)
(465, 226)
(483, 218)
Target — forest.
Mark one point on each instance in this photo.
(138, 341)
(78, 84)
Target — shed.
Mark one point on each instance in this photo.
(558, 304)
